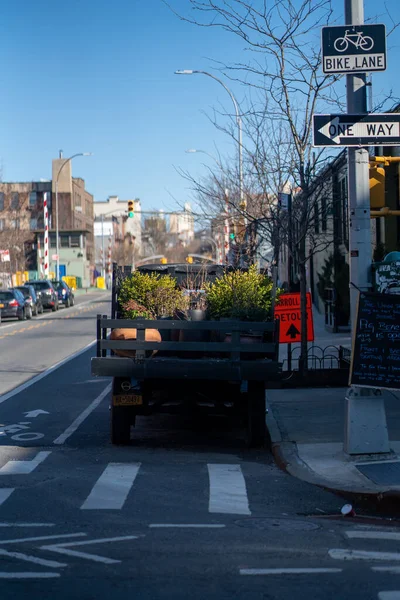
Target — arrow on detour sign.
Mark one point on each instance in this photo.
(287, 310)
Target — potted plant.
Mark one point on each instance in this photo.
(241, 296)
(156, 293)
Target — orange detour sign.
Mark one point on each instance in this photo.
(288, 312)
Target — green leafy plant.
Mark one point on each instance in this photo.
(242, 295)
(132, 310)
(156, 293)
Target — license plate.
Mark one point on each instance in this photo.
(1, 305)
(127, 400)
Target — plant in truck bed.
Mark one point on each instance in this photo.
(240, 295)
(155, 293)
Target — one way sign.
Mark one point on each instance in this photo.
(287, 310)
(357, 130)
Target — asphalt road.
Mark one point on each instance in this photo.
(185, 512)
(27, 348)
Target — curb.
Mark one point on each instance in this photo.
(287, 459)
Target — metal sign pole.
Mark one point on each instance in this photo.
(365, 419)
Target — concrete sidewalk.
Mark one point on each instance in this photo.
(306, 428)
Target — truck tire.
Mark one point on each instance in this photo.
(120, 426)
(256, 428)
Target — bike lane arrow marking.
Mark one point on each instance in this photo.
(36, 413)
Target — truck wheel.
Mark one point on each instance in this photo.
(120, 426)
(256, 428)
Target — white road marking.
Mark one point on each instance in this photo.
(228, 492)
(23, 467)
(5, 493)
(28, 575)
(373, 535)
(37, 378)
(394, 570)
(340, 554)
(112, 488)
(79, 420)
(186, 525)
(26, 524)
(41, 538)
(34, 559)
(393, 595)
(294, 571)
(27, 437)
(36, 413)
(63, 548)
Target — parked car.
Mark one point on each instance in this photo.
(14, 306)
(48, 294)
(32, 298)
(65, 294)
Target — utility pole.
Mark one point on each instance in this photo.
(365, 418)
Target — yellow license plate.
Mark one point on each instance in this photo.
(1, 305)
(128, 400)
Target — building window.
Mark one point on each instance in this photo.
(316, 217)
(32, 198)
(1, 200)
(75, 241)
(52, 241)
(324, 217)
(64, 241)
(15, 201)
(2, 224)
(15, 224)
(33, 224)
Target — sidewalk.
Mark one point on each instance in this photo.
(306, 428)
(90, 290)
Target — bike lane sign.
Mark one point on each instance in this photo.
(353, 48)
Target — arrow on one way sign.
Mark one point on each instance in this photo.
(36, 413)
(357, 130)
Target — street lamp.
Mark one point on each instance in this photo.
(57, 230)
(238, 121)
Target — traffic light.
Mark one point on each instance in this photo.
(232, 233)
(189, 259)
(164, 260)
(376, 185)
(131, 208)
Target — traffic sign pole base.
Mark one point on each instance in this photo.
(365, 422)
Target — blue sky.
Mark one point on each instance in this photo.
(97, 76)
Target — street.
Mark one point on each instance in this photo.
(185, 511)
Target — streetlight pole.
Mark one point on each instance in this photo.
(57, 229)
(239, 124)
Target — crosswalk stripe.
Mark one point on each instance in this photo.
(23, 467)
(112, 488)
(373, 535)
(340, 554)
(392, 595)
(288, 571)
(228, 492)
(5, 493)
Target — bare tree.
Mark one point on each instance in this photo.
(284, 86)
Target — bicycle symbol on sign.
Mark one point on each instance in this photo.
(365, 42)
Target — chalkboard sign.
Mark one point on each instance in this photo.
(376, 342)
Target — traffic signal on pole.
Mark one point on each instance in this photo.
(131, 208)
(232, 233)
(376, 185)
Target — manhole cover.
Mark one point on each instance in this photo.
(382, 473)
(277, 524)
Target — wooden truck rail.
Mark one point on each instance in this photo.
(220, 361)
